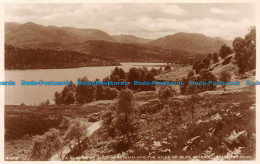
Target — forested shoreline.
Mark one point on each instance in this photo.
(31, 58)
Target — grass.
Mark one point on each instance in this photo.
(218, 115)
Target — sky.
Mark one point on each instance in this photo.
(148, 20)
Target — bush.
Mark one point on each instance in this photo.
(47, 102)
(120, 145)
(109, 93)
(167, 68)
(165, 93)
(44, 147)
(107, 123)
(191, 73)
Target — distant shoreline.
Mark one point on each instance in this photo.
(60, 68)
(119, 64)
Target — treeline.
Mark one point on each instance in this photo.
(81, 94)
(20, 58)
(245, 51)
(245, 59)
(133, 53)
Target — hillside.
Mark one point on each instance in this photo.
(176, 47)
(27, 58)
(189, 41)
(37, 36)
(131, 39)
(127, 52)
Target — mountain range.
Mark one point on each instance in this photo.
(91, 41)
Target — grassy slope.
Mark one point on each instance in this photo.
(223, 123)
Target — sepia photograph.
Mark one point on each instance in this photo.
(130, 82)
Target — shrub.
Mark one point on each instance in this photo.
(167, 68)
(166, 92)
(191, 73)
(225, 77)
(47, 102)
(45, 146)
(109, 93)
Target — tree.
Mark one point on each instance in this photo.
(109, 93)
(250, 42)
(166, 92)
(209, 56)
(76, 132)
(195, 64)
(190, 74)
(238, 45)
(191, 89)
(215, 58)
(206, 62)
(45, 146)
(107, 123)
(117, 72)
(193, 100)
(245, 51)
(252, 61)
(117, 79)
(154, 71)
(47, 102)
(176, 107)
(99, 93)
(125, 114)
(149, 77)
(70, 98)
(206, 75)
(242, 65)
(224, 51)
(57, 98)
(225, 77)
(85, 93)
(184, 87)
(133, 75)
(200, 67)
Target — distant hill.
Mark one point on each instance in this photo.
(227, 42)
(177, 47)
(130, 39)
(118, 51)
(190, 42)
(38, 36)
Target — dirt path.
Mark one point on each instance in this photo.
(66, 149)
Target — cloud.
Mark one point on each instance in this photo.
(143, 20)
(223, 11)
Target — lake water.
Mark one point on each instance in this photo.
(33, 95)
